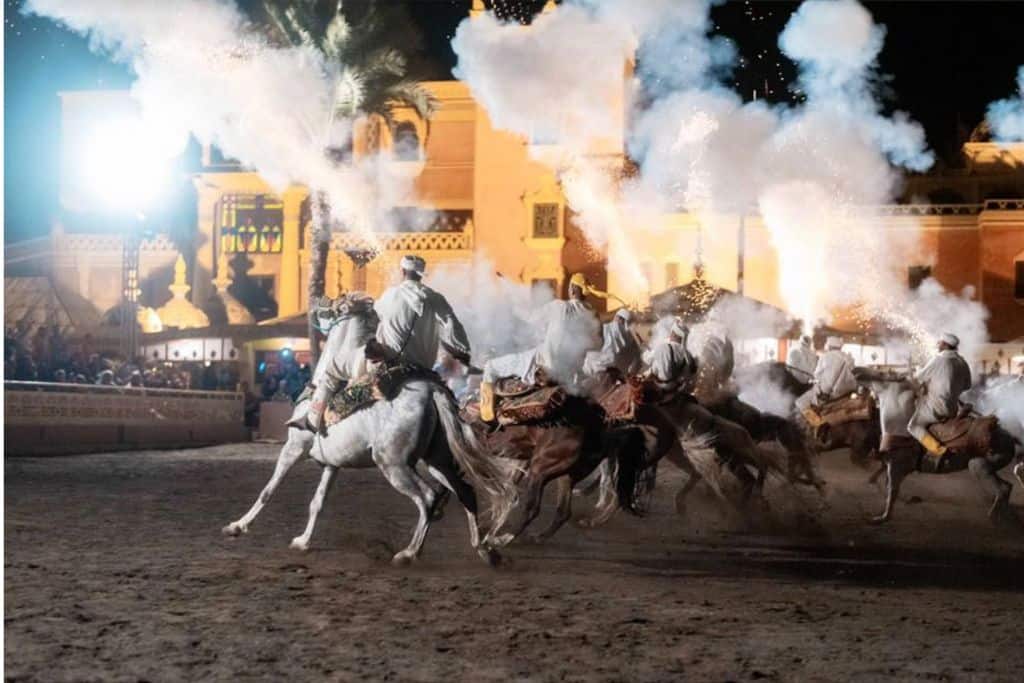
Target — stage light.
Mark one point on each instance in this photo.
(126, 166)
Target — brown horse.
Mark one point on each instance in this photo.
(767, 428)
(860, 436)
(565, 450)
(678, 430)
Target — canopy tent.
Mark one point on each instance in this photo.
(34, 302)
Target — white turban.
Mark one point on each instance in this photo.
(414, 263)
(950, 339)
(679, 328)
(624, 313)
(834, 343)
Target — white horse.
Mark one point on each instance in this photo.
(419, 425)
(902, 455)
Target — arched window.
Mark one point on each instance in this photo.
(407, 142)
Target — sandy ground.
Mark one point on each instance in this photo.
(115, 570)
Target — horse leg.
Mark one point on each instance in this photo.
(437, 498)
(563, 511)
(403, 479)
(606, 501)
(589, 484)
(315, 505)
(677, 456)
(298, 444)
(898, 468)
(801, 457)
(992, 483)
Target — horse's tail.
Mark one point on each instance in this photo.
(493, 477)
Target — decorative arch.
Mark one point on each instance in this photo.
(407, 144)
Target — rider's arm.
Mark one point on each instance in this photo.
(453, 335)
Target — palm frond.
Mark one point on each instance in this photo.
(337, 36)
(349, 94)
(302, 24)
(414, 95)
(279, 25)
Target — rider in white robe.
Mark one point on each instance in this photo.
(415, 321)
(802, 360)
(940, 382)
(571, 330)
(833, 376)
(620, 350)
(671, 362)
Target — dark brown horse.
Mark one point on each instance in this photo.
(860, 436)
(767, 428)
(565, 450)
(679, 429)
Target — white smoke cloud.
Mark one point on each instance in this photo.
(1007, 116)
(474, 291)
(201, 68)
(554, 80)
(1004, 398)
(812, 171)
(767, 397)
(930, 311)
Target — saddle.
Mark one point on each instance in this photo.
(536, 405)
(512, 387)
(385, 382)
(965, 432)
(619, 403)
(349, 399)
(649, 391)
(841, 410)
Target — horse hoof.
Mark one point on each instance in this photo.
(233, 529)
(299, 544)
(403, 559)
(489, 555)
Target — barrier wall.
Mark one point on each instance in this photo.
(42, 418)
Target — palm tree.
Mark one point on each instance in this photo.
(369, 79)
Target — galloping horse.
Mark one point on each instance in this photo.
(677, 430)
(564, 449)
(904, 455)
(418, 425)
(860, 436)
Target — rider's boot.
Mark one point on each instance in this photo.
(314, 419)
(932, 445)
(487, 401)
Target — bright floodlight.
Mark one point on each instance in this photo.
(115, 157)
(125, 166)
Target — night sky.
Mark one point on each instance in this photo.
(945, 62)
